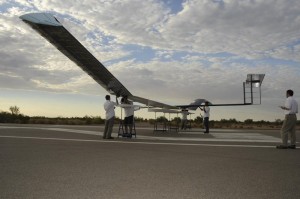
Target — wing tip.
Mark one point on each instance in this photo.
(40, 18)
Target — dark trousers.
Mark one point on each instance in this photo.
(128, 122)
(206, 124)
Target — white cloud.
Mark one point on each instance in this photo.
(238, 27)
(286, 53)
(234, 26)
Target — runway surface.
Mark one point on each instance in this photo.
(49, 161)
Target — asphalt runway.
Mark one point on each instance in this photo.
(49, 161)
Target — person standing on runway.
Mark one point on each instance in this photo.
(129, 116)
(289, 124)
(206, 116)
(109, 108)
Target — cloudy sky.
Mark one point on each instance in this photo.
(171, 51)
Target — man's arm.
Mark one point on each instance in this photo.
(284, 108)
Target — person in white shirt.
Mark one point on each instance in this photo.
(289, 124)
(206, 115)
(109, 108)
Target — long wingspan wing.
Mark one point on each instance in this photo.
(194, 105)
(163, 110)
(52, 30)
(151, 102)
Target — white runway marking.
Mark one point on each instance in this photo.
(130, 142)
(55, 129)
(226, 138)
(216, 137)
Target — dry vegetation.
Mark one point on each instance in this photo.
(13, 117)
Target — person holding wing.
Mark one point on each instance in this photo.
(206, 116)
